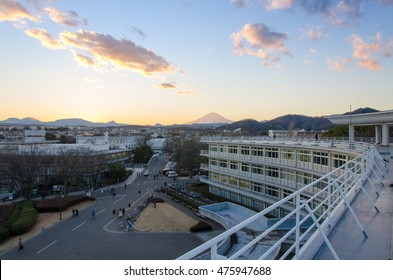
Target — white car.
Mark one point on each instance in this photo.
(171, 174)
(147, 173)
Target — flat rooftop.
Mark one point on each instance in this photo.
(347, 238)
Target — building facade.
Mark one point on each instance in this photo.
(258, 172)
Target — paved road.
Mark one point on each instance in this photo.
(87, 238)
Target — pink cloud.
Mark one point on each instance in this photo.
(258, 40)
(122, 53)
(368, 54)
(15, 12)
(338, 64)
(70, 18)
(45, 38)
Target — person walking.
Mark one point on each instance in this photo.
(20, 245)
(139, 193)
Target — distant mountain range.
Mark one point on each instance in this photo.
(211, 120)
(288, 122)
(62, 122)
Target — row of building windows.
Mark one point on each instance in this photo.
(302, 179)
(303, 155)
(274, 172)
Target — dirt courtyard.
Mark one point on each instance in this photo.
(164, 218)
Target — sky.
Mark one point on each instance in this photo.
(173, 61)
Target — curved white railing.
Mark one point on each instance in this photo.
(336, 190)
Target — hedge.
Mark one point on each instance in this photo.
(22, 219)
(54, 204)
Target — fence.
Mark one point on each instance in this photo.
(335, 192)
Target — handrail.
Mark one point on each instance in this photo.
(324, 207)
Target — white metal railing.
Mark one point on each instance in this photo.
(324, 208)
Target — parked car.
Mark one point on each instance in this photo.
(146, 173)
(171, 174)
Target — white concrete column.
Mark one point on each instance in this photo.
(378, 134)
(385, 135)
(351, 133)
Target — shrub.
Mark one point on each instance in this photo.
(200, 226)
(5, 212)
(26, 219)
(4, 232)
(158, 200)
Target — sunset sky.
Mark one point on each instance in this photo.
(173, 61)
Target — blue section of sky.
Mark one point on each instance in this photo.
(173, 61)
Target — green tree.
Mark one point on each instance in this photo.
(143, 153)
(117, 170)
(187, 156)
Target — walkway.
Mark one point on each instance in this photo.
(347, 238)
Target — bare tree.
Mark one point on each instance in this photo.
(21, 168)
(71, 165)
(95, 165)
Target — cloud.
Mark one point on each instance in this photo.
(314, 33)
(138, 31)
(279, 4)
(386, 2)
(312, 51)
(45, 38)
(84, 60)
(368, 54)
(185, 92)
(14, 11)
(165, 86)
(338, 64)
(258, 40)
(241, 3)
(335, 12)
(121, 53)
(70, 18)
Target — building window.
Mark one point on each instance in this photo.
(288, 154)
(339, 160)
(233, 181)
(245, 150)
(271, 152)
(223, 179)
(320, 158)
(257, 169)
(213, 148)
(214, 176)
(257, 151)
(304, 156)
(234, 165)
(223, 163)
(213, 162)
(232, 149)
(245, 167)
(288, 175)
(244, 184)
(305, 178)
(271, 191)
(272, 172)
